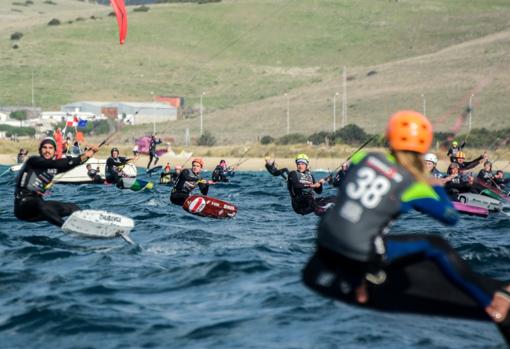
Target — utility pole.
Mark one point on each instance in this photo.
(424, 101)
(202, 113)
(344, 97)
(334, 111)
(33, 99)
(470, 111)
(288, 113)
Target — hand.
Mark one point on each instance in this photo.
(436, 181)
(90, 152)
(210, 182)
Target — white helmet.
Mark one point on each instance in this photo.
(431, 157)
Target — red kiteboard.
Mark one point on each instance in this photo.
(209, 207)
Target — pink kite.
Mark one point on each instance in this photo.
(120, 11)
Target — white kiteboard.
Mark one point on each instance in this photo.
(99, 224)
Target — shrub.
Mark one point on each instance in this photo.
(54, 21)
(320, 137)
(350, 134)
(266, 140)
(50, 2)
(142, 8)
(20, 131)
(79, 19)
(206, 139)
(16, 36)
(19, 115)
(293, 138)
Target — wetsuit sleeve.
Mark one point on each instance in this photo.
(431, 201)
(317, 190)
(204, 188)
(124, 160)
(62, 165)
(449, 152)
(468, 165)
(462, 145)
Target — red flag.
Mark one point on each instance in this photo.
(120, 11)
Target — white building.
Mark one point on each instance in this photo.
(129, 112)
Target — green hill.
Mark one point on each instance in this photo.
(245, 55)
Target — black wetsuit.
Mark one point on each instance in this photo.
(501, 183)
(302, 196)
(468, 165)
(337, 179)
(458, 185)
(485, 176)
(111, 169)
(271, 168)
(152, 152)
(21, 157)
(34, 178)
(452, 151)
(220, 174)
(404, 273)
(95, 176)
(186, 182)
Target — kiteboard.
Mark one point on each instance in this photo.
(209, 207)
(154, 169)
(135, 184)
(416, 288)
(492, 189)
(99, 224)
(323, 204)
(478, 200)
(470, 210)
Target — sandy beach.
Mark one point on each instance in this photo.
(253, 164)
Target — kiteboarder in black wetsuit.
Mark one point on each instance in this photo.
(36, 177)
(188, 180)
(114, 165)
(454, 149)
(152, 151)
(94, 174)
(20, 158)
(339, 176)
(468, 165)
(358, 262)
(302, 186)
(222, 172)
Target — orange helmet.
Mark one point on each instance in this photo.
(460, 155)
(409, 130)
(198, 161)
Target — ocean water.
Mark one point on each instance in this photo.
(193, 282)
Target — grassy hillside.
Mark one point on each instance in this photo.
(245, 55)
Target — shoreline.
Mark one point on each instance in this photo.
(256, 163)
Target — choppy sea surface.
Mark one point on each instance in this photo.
(193, 282)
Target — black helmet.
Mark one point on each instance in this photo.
(47, 140)
(114, 149)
